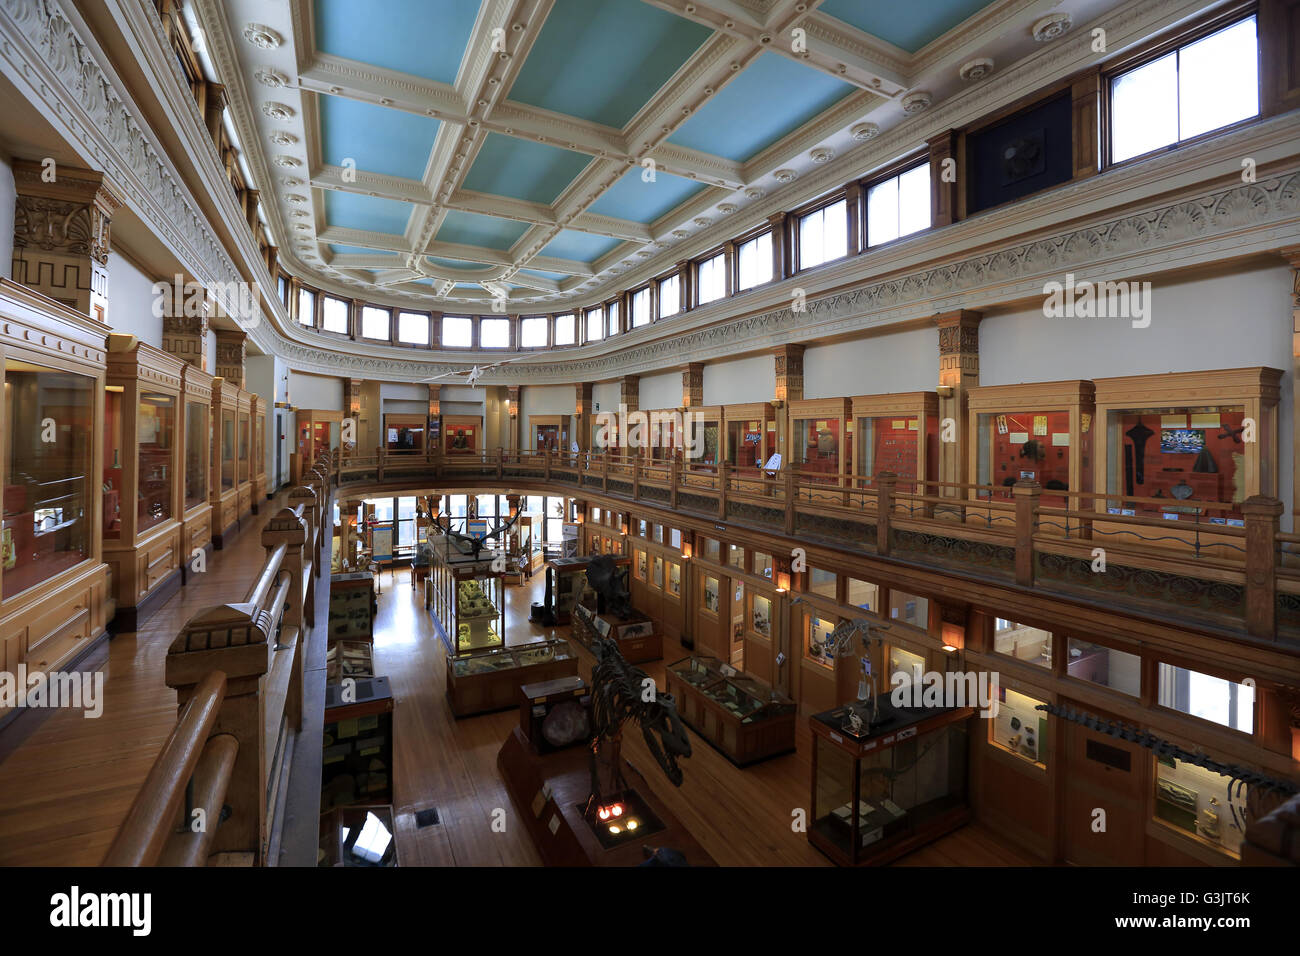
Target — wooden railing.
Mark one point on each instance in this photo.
(1028, 535)
(238, 670)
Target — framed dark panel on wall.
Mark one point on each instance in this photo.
(1024, 153)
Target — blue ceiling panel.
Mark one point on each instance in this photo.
(602, 60)
(522, 169)
(635, 199)
(372, 213)
(906, 25)
(377, 139)
(770, 99)
(359, 251)
(580, 246)
(425, 38)
(539, 274)
(470, 229)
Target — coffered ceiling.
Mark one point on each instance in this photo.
(550, 152)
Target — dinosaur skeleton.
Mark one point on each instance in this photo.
(610, 584)
(619, 692)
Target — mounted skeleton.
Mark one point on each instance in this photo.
(619, 692)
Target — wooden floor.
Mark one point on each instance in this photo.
(65, 790)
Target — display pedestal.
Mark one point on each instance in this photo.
(550, 793)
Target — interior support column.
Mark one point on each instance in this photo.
(959, 371)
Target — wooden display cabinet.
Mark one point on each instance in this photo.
(748, 442)
(483, 681)
(467, 599)
(358, 744)
(638, 638)
(899, 434)
(352, 606)
(463, 435)
(223, 487)
(548, 433)
(884, 791)
(1039, 431)
(741, 716)
(196, 447)
(142, 478)
(709, 436)
(568, 583)
(318, 431)
(244, 406)
(820, 445)
(1174, 447)
(52, 575)
(405, 433)
(259, 452)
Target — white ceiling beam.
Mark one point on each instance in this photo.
(370, 184)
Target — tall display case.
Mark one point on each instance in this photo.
(52, 577)
(702, 438)
(883, 791)
(244, 407)
(821, 444)
(740, 715)
(463, 435)
(319, 430)
(142, 476)
(468, 599)
(259, 452)
(224, 486)
(568, 583)
(1040, 431)
(1188, 447)
(352, 606)
(196, 447)
(897, 433)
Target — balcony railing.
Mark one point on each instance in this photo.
(1065, 542)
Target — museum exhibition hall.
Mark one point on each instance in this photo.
(881, 418)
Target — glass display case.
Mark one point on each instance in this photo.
(357, 743)
(142, 475)
(196, 453)
(224, 493)
(702, 441)
(568, 583)
(259, 452)
(47, 504)
(818, 646)
(760, 618)
(821, 442)
(352, 606)
(1039, 432)
(467, 599)
(899, 434)
(749, 433)
(889, 788)
(228, 449)
(743, 717)
(196, 449)
(405, 433)
(357, 836)
(245, 437)
(1189, 446)
(637, 637)
(1200, 803)
(486, 680)
(462, 435)
(1019, 728)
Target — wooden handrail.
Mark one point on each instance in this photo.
(152, 817)
(211, 780)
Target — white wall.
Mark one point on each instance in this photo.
(131, 301)
(316, 391)
(901, 362)
(661, 391)
(738, 382)
(8, 201)
(605, 396)
(260, 378)
(403, 391)
(547, 400)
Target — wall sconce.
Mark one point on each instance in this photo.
(945, 391)
(954, 637)
(782, 581)
(686, 551)
(514, 408)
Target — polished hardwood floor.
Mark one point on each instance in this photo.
(65, 788)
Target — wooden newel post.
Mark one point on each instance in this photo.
(674, 479)
(379, 462)
(286, 528)
(311, 512)
(604, 474)
(1262, 524)
(501, 462)
(886, 482)
(546, 464)
(233, 639)
(1027, 494)
(789, 502)
(636, 478)
(722, 490)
